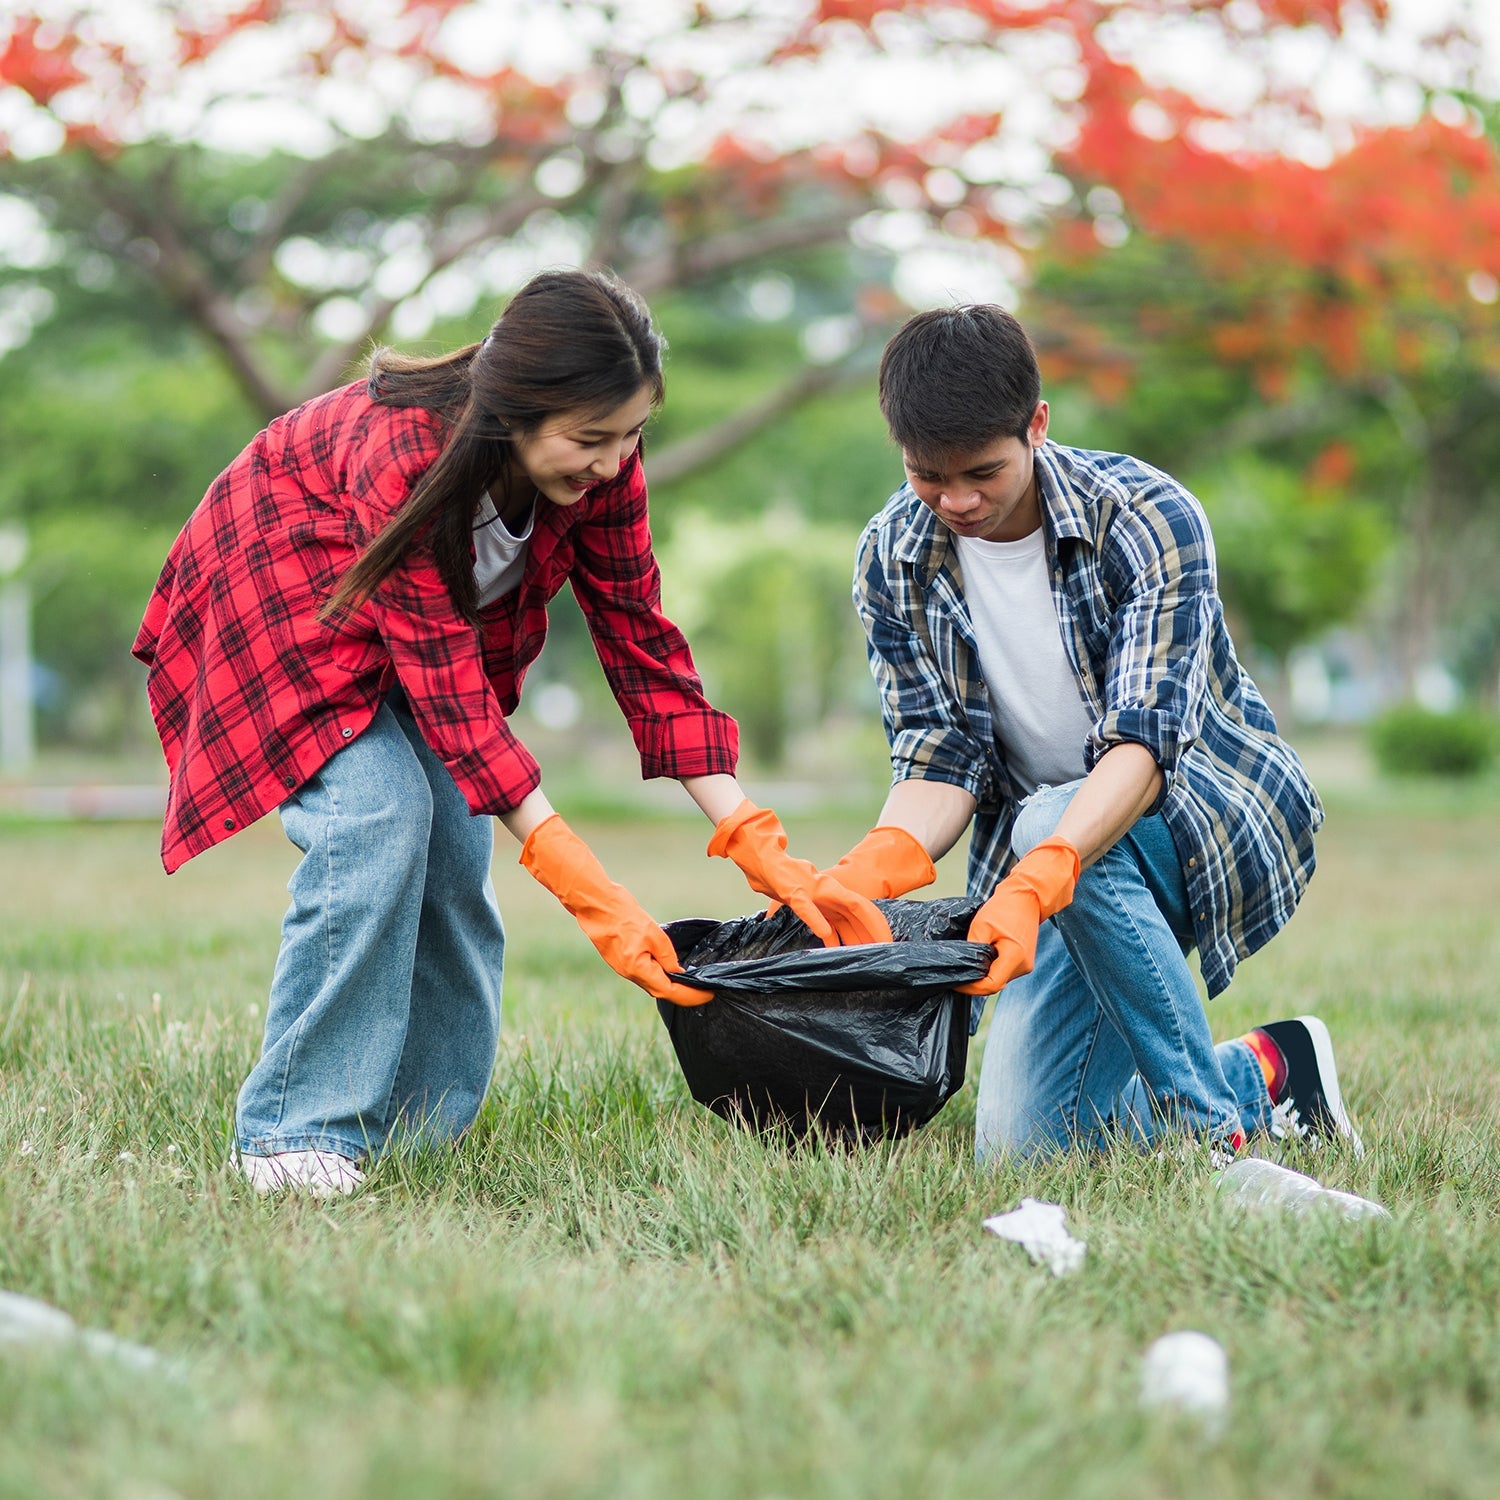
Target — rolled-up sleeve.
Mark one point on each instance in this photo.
(925, 721)
(645, 658)
(1158, 565)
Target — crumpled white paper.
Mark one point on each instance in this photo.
(1038, 1228)
(25, 1320)
(1188, 1370)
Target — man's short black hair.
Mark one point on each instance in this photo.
(955, 379)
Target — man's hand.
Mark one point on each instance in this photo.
(886, 862)
(1040, 885)
(754, 839)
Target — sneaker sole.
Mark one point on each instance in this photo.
(272, 1178)
(1323, 1051)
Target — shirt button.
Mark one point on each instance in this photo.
(347, 733)
(1193, 863)
(290, 780)
(229, 822)
(1202, 915)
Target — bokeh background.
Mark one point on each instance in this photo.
(1257, 243)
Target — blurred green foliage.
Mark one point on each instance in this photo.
(115, 418)
(109, 443)
(1409, 740)
(764, 599)
(1292, 562)
(1301, 476)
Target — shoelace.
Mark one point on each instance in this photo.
(1286, 1120)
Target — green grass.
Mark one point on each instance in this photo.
(607, 1292)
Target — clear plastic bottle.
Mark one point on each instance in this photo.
(1262, 1184)
(25, 1320)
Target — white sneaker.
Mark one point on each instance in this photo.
(319, 1174)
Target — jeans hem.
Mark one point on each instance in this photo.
(262, 1145)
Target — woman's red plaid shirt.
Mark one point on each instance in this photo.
(252, 693)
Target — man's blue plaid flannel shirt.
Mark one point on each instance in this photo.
(1134, 582)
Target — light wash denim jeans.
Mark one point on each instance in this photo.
(385, 1003)
(1107, 1036)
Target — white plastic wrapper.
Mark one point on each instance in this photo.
(1039, 1229)
(1189, 1372)
(27, 1321)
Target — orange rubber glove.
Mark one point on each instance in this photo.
(886, 862)
(1041, 884)
(626, 937)
(755, 840)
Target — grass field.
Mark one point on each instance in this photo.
(607, 1292)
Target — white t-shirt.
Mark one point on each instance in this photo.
(499, 556)
(1041, 716)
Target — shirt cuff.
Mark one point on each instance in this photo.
(1158, 732)
(940, 755)
(697, 742)
(496, 783)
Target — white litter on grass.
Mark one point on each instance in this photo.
(1038, 1228)
(1253, 1183)
(1188, 1371)
(25, 1321)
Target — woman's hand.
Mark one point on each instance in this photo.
(611, 918)
(754, 839)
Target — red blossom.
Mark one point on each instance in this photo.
(41, 71)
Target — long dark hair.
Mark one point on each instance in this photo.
(568, 341)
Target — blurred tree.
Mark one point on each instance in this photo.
(765, 602)
(1296, 553)
(1339, 318)
(1299, 534)
(255, 193)
(403, 164)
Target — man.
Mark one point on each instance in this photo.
(1049, 644)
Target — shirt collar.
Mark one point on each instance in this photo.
(1063, 512)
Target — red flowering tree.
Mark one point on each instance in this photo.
(294, 179)
(1339, 317)
(274, 186)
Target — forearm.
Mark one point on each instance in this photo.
(717, 796)
(527, 815)
(935, 813)
(1124, 783)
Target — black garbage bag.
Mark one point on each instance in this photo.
(867, 1041)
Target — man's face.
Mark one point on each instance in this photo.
(990, 494)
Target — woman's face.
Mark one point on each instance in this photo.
(572, 452)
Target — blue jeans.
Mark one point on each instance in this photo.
(1107, 1036)
(385, 1003)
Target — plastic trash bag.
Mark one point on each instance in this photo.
(866, 1041)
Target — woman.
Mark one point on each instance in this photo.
(340, 632)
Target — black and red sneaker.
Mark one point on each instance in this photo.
(1308, 1106)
